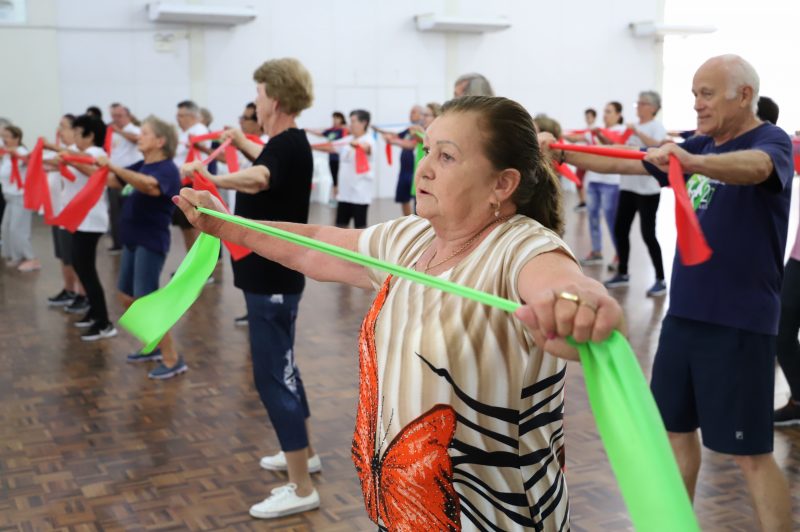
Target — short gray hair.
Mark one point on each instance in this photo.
(477, 85)
(190, 106)
(4, 122)
(740, 74)
(651, 97)
(166, 131)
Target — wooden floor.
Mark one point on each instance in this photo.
(87, 442)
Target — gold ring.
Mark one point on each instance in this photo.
(592, 306)
(569, 296)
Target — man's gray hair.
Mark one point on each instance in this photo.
(740, 74)
(651, 97)
(192, 107)
(4, 122)
(477, 85)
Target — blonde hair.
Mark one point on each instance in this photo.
(166, 131)
(287, 81)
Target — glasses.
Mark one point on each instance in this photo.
(639, 104)
(245, 118)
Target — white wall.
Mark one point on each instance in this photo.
(556, 58)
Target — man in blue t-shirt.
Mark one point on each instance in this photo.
(714, 367)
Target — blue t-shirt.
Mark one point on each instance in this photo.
(745, 226)
(406, 156)
(145, 219)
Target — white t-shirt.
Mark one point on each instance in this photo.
(244, 162)
(124, 152)
(183, 142)
(54, 183)
(97, 219)
(608, 179)
(9, 188)
(356, 188)
(646, 185)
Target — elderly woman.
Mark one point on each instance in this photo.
(642, 194)
(144, 227)
(276, 187)
(459, 421)
(16, 225)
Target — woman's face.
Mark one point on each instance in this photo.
(610, 115)
(9, 140)
(455, 180)
(148, 141)
(66, 132)
(427, 117)
(357, 127)
(81, 142)
(645, 110)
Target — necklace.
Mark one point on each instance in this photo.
(463, 248)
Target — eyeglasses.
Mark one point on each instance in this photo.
(243, 118)
(643, 103)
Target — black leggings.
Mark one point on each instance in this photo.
(84, 255)
(351, 211)
(334, 166)
(647, 205)
(788, 327)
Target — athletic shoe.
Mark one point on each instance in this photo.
(62, 299)
(85, 322)
(284, 501)
(138, 356)
(96, 332)
(580, 207)
(163, 372)
(788, 415)
(659, 288)
(613, 265)
(241, 321)
(78, 305)
(277, 462)
(617, 281)
(592, 259)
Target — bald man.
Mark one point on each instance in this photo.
(715, 364)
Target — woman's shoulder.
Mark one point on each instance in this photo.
(523, 236)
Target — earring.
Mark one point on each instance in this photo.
(496, 207)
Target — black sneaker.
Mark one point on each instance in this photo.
(788, 415)
(78, 305)
(62, 299)
(97, 332)
(84, 322)
(241, 321)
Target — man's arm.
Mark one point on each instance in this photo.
(745, 167)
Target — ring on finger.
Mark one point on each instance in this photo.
(569, 296)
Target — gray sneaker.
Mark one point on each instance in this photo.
(163, 372)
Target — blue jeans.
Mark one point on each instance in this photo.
(601, 196)
(271, 320)
(139, 271)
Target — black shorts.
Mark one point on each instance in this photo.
(62, 245)
(351, 211)
(720, 379)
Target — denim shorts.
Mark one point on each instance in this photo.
(139, 271)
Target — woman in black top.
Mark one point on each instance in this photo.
(276, 187)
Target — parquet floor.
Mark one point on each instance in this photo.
(88, 443)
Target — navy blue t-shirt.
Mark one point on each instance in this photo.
(145, 219)
(406, 156)
(332, 134)
(745, 226)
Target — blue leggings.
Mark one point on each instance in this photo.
(271, 320)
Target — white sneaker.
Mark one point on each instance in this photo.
(277, 462)
(284, 501)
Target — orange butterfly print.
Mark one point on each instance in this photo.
(410, 486)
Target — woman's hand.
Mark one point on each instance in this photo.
(236, 135)
(189, 198)
(188, 169)
(101, 161)
(584, 312)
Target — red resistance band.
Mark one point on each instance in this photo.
(362, 160)
(613, 136)
(37, 191)
(692, 244)
(202, 183)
